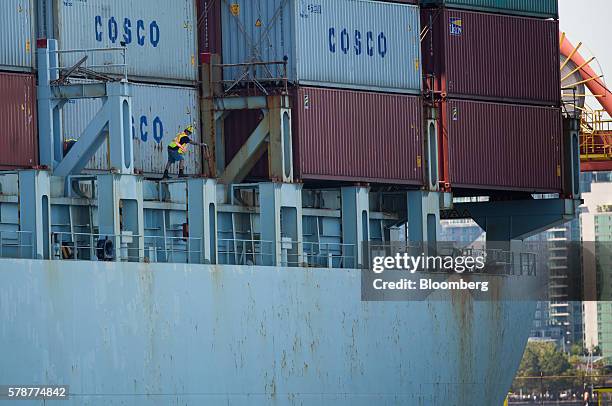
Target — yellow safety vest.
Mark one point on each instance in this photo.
(177, 143)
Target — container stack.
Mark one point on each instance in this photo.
(354, 67)
(18, 125)
(493, 67)
(161, 42)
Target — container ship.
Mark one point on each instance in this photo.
(328, 125)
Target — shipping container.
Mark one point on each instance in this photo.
(343, 135)
(503, 146)
(532, 8)
(158, 114)
(492, 57)
(160, 39)
(18, 135)
(357, 136)
(17, 19)
(209, 26)
(353, 44)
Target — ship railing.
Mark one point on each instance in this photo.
(93, 63)
(16, 244)
(234, 251)
(126, 247)
(290, 253)
(507, 262)
(172, 249)
(319, 254)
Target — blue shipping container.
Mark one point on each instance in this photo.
(17, 35)
(354, 44)
(160, 38)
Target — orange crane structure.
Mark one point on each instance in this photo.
(577, 75)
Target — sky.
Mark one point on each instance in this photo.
(589, 22)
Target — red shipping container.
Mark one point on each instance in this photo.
(342, 135)
(497, 146)
(357, 136)
(18, 125)
(209, 26)
(492, 57)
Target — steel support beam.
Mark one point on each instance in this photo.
(79, 91)
(280, 224)
(241, 103)
(280, 152)
(571, 157)
(355, 224)
(518, 219)
(49, 108)
(214, 136)
(212, 120)
(272, 134)
(90, 140)
(202, 219)
(248, 155)
(121, 215)
(423, 216)
(120, 137)
(115, 117)
(35, 212)
(431, 149)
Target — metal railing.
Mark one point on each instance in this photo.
(507, 262)
(328, 254)
(87, 65)
(311, 254)
(125, 247)
(16, 244)
(259, 75)
(173, 249)
(244, 252)
(595, 135)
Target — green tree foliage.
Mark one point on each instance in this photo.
(546, 368)
(546, 360)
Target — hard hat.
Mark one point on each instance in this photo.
(189, 128)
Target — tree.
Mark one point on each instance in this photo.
(577, 349)
(545, 359)
(552, 361)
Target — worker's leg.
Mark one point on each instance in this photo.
(182, 168)
(168, 163)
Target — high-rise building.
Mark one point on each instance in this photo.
(559, 318)
(596, 223)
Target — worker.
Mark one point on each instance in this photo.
(178, 148)
(68, 144)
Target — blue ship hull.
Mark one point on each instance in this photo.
(173, 334)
